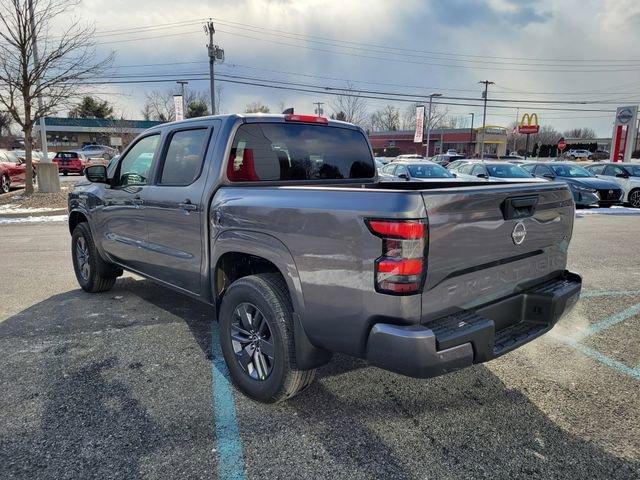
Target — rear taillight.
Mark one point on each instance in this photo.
(402, 267)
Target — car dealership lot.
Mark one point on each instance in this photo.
(125, 385)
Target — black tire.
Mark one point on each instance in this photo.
(268, 294)
(608, 205)
(92, 272)
(5, 183)
(65, 173)
(634, 198)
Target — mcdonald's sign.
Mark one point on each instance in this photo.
(529, 124)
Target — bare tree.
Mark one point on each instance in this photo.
(256, 107)
(584, 133)
(351, 104)
(5, 122)
(65, 61)
(386, 118)
(438, 114)
(159, 105)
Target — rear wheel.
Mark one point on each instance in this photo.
(92, 272)
(634, 198)
(256, 333)
(65, 173)
(5, 184)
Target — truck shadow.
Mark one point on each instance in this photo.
(78, 420)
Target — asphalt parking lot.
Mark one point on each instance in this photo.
(129, 384)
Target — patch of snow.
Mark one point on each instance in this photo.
(607, 211)
(13, 209)
(32, 219)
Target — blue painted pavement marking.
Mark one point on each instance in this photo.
(610, 321)
(609, 362)
(229, 445)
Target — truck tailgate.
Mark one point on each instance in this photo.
(485, 243)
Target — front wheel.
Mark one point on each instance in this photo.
(256, 334)
(634, 198)
(5, 184)
(92, 272)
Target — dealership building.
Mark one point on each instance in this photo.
(465, 140)
(74, 133)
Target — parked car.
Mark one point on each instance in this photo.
(408, 156)
(101, 151)
(446, 159)
(453, 166)
(575, 154)
(417, 171)
(305, 253)
(627, 175)
(599, 155)
(13, 171)
(586, 187)
(70, 162)
(495, 172)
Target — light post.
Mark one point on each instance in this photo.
(431, 97)
(471, 133)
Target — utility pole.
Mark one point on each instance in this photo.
(471, 133)
(182, 83)
(47, 178)
(515, 129)
(318, 108)
(431, 97)
(215, 53)
(484, 113)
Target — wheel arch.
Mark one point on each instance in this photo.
(76, 217)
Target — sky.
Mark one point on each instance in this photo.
(534, 50)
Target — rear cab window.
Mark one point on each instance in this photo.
(184, 157)
(297, 151)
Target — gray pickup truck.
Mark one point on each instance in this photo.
(279, 223)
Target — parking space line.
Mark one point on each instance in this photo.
(609, 362)
(610, 321)
(229, 444)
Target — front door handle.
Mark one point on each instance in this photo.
(188, 206)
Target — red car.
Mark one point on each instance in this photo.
(13, 172)
(70, 162)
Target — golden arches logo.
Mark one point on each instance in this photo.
(529, 123)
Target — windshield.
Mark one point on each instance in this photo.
(570, 171)
(429, 171)
(634, 170)
(507, 171)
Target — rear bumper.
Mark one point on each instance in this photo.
(467, 337)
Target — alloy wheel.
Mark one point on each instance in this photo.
(634, 199)
(4, 184)
(252, 341)
(82, 258)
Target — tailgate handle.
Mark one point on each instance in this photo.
(519, 207)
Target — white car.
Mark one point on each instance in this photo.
(627, 175)
(495, 172)
(420, 171)
(409, 156)
(575, 154)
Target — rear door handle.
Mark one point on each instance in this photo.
(188, 206)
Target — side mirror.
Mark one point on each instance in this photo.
(403, 175)
(454, 175)
(549, 176)
(482, 175)
(96, 174)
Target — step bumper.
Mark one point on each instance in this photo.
(474, 336)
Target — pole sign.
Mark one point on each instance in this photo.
(417, 136)
(178, 107)
(624, 134)
(529, 124)
(562, 144)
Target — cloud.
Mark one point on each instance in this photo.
(516, 13)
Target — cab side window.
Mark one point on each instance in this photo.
(477, 170)
(135, 167)
(388, 169)
(542, 170)
(613, 170)
(184, 158)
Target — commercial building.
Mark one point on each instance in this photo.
(462, 140)
(74, 133)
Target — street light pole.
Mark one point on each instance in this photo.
(484, 113)
(471, 133)
(182, 84)
(431, 97)
(515, 129)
